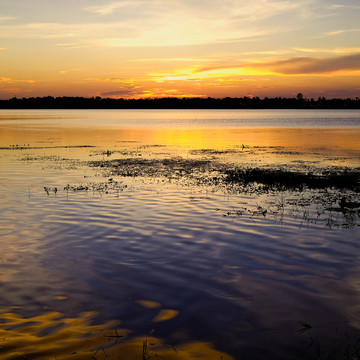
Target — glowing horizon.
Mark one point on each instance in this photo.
(138, 49)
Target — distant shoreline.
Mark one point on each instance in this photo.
(65, 102)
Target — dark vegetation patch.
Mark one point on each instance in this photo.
(286, 152)
(152, 146)
(104, 187)
(28, 147)
(212, 152)
(108, 153)
(268, 147)
(277, 179)
(171, 167)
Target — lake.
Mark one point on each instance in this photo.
(179, 234)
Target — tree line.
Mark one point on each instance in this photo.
(65, 102)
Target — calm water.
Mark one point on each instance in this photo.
(99, 265)
(118, 119)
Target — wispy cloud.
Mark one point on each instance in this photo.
(122, 34)
(8, 80)
(339, 32)
(7, 18)
(116, 80)
(82, 33)
(124, 88)
(4, 79)
(282, 67)
(185, 22)
(236, 9)
(344, 6)
(67, 71)
(36, 31)
(118, 93)
(109, 8)
(340, 50)
(310, 65)
(297, 65)
(140, 23)
(170, 59)
(73, 46)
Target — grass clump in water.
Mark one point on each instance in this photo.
(277, 179)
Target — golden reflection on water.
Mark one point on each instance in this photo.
(51, 336)
(344, 139)
(252, 147)
(69, 142)
(303, 139)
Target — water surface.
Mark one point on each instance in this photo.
(120, 238)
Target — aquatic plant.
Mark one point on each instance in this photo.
(342, 347)
(281, 179)
(145, 353)
(49, 190)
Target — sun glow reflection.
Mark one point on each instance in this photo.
(51, 335)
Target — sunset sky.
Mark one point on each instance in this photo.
(157, 48)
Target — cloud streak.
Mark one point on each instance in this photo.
(340, 32)
(8, 80)
(115, 34)
(297, 65)
(7, 18)
(110, 8)
(339, 50)
(155, 23)
(310, 65)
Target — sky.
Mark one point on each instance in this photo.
(181, 48)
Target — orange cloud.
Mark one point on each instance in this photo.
(310, 65)
(293, 66)
(8, 80)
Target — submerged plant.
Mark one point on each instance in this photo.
(49, 190)
(342, 347)
(145, 352)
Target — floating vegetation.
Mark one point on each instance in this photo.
(76, 188)
(259, 210)
(213, 152)
(171, 167)
(49, 190)
(322, 207)
(28, 147)
(277, 179)
(99, 187)
(108, 153)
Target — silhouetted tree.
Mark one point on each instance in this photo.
(245, 102)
